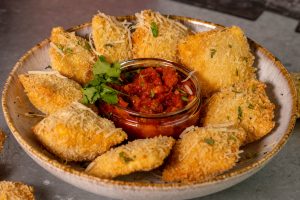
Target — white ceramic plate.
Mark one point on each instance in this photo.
(140, 185)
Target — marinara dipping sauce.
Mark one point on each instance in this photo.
(157, 97)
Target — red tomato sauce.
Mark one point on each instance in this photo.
(155, 90)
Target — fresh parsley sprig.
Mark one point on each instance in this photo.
(104, 72)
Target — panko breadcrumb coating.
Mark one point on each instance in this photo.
(71, 55)
(203, 153)
(15, 191)
(164, 45)
(245, 104)
(139, 155)
(2, 139)
(76, 133)
(49, 92)
(221, 57)
(112, 38)
(296, 77)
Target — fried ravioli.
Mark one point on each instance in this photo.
(245, 104)
(296, 77)
(71, 55)
(15, 191)
(76, 133)
(50, 92)
(111, 38)
(2, 139)
(139, 155)
(203, 153)
(157, 36)
(221, 57)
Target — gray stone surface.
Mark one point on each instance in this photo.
(25, 23)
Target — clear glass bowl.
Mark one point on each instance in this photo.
(141, 125)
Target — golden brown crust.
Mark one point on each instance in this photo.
(111, 38)
(71, 55)
(296, 77)
(76, 133)
(49, 93)
(15, 191)
(139, 155)
(2, 139)
(164, 46)
(246, 105)
(221, 57)
(203, 153)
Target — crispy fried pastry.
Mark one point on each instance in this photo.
(15, 191)
(71, 55)
(76, 133)
(245, 104)
(50, 92)
(139, 155)
(112, 38)
(203, 153)
(157, 36)
(220, 57)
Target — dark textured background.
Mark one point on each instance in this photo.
(25, 23)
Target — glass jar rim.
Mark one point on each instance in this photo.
(139, 62)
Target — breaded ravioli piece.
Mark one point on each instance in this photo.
(157, 36)
(246, 105)
(220, 57)
(15, 191)
(2, 139)
(50, 92)
(296, 77)
(112, 38)
(203, 153)
(139, 155)
(76, 133)
(71, 55)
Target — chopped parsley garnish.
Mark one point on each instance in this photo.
(87, 46)
(68, 51)
(230, 46)
(48, 67)
(184, 98)
(152, 94)
(154, 29)
(212, 52)
(125, 157)
(209, 141)
(181, 91)
(240, 113)
(232, 137)
(236, 72)
(250, 106)
(108, 45)
(97, 88)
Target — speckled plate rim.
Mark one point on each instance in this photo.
(54, 164)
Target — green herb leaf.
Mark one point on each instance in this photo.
(152, 94)
(209, 141)
(125, 157)
(87, 46)
(154, 29)
(230, 46)
(181, 91)
(240, 113)
(184, 98)
(108, 45)
(250, 106)
(232, 137)
(212, 52)
(104, 72)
